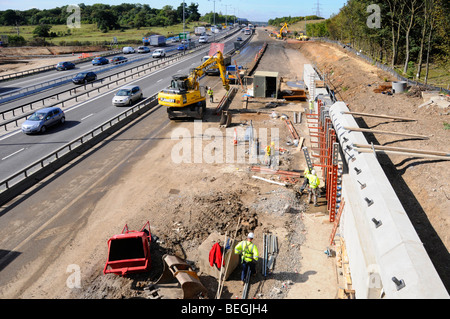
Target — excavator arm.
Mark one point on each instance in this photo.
(184, 97)
(200, 70)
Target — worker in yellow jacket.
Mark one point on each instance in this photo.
(249, 256)
(305, 180)
(313, 183)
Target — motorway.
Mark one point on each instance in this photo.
(38, 225)
(18, 150)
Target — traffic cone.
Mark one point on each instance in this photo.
(235, 142)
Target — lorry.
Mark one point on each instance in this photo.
(199, 30)
(213, 69)
(184, 97)
(157, 40)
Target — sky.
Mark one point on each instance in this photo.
(253, 10)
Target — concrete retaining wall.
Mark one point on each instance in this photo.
(386, 257)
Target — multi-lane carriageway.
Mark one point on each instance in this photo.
(18, 150)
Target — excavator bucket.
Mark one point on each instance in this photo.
(129, 252)
(177, 269)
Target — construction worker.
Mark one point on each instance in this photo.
(313, 183)
(210, 93)
(305, 180)
(249, 256)
(270, 153)
(311, 106)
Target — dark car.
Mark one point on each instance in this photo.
(40, 120)
(100, 60)
(65, 66)
(84, 77)
(119, 59)
(239, 39)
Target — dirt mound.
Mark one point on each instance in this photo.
(199, 216)
(55, 50)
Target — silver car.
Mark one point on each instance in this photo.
(40, 120)
(143, 49)
(127, 95)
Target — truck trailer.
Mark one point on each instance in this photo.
(199, 30)
(157, 40)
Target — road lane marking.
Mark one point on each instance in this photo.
(13, 154)
(87, 117)
(111, 91)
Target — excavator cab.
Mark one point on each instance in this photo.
(179, 83)
(185, 97)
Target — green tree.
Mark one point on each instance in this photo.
(42, 31)
(140, 20)
(106, 20)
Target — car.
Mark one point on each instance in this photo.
(203, 39)
(39, 121)
(159, 53)
(119, 59)
(143, 49)
(128, 50)
(100, 60)
(182, 47)
(84, 77)
(239, 39)
(65, 66)
(127, 95)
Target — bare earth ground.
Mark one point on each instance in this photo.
(19, 59)
(186, 202)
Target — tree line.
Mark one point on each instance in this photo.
(107, 17)
(291, 20)
(411, 33)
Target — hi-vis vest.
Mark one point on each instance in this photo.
(248, 250)
(313, 180)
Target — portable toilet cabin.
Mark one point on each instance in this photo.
(266, 84)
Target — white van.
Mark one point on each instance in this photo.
(203, 39)
(127, 50)
(159, 53)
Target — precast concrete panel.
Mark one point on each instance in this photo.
(383, 228)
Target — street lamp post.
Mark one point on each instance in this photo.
(214, 18)
(226, 14)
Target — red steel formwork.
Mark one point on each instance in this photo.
(320, 129)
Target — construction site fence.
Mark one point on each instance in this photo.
(383, 66)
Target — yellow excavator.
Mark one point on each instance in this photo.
(280, 35)
(184, 97)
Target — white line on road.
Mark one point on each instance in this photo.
(110, 92)
(13, 154)
(87, 116)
